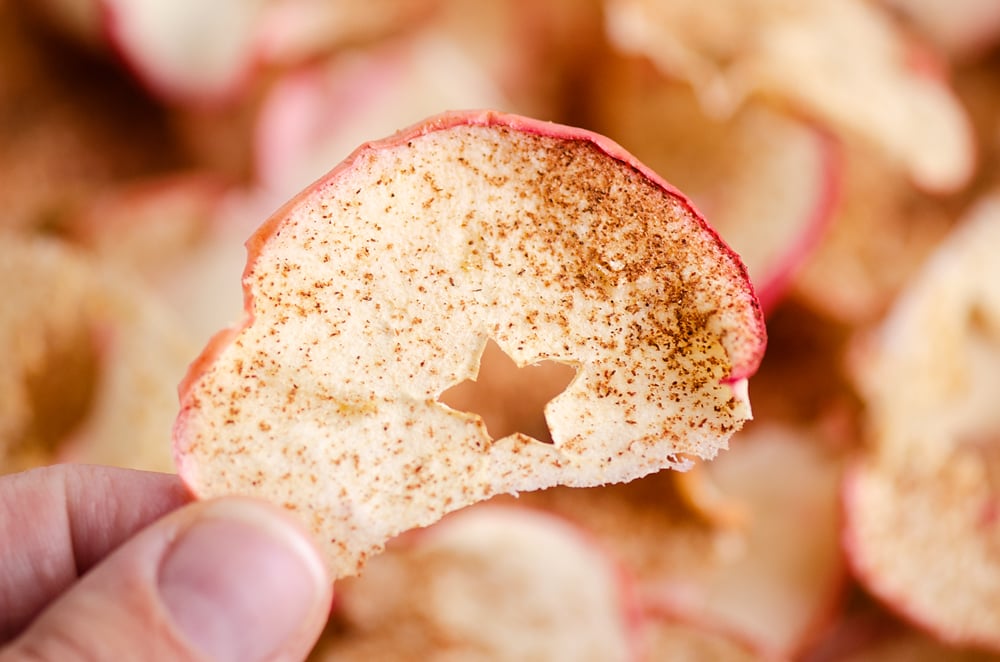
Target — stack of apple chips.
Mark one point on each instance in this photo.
(846, 151)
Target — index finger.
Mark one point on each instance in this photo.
(59, 521)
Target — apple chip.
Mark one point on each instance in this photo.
(204, 55)
(881, 233)
(768, 180)
(491, 583)
(376, 290)
(304, 30)
(771, 576)
(93, 362)
(180, 234)
(312, 117)
(187, 51)
(796, 51)
(922, 504)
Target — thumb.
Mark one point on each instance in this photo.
(232, 579)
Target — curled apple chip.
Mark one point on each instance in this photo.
(772, 576)
(768, 180)
(881, 233)
(93, 361)
(922, 505)
(180, 234)
(312, 117)
(376, 290)
(491, 582)
(794, 51)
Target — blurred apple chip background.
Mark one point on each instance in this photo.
(847, 149)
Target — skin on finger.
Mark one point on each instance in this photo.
(62, 520)
(229, 562)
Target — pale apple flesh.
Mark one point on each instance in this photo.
(495, 582)
(768, 180)
(311, 118)
(181, 234)
(922, 527)
(94, 362)
(187, 52)
(881, 233)
(377, 289)
(770, 575)
(735, 50)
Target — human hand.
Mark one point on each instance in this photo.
(111, 564)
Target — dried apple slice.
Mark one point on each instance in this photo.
(312, 117)
(795, 52)
(185, 51)
(180, 234)
(922, 504)
(94, 362)
(204, 56)
(766, 180)
(376, 289)
(295, 31)
(881, 233)
(487, 583)
(773, 577)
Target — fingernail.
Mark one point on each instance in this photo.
(240, 582)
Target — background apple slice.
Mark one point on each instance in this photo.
(295, 31)
(880, 235)
(922, 504)
(187, 51)
(181, 234)
(377, 288)
(772, 577)
(491, 583)
(766, 180)
(314, 116)
(737, 49)
(944, 525)
(95, 361)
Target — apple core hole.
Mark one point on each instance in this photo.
(509, 398)
(60, 392)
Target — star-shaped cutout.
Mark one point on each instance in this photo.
(510, 399)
